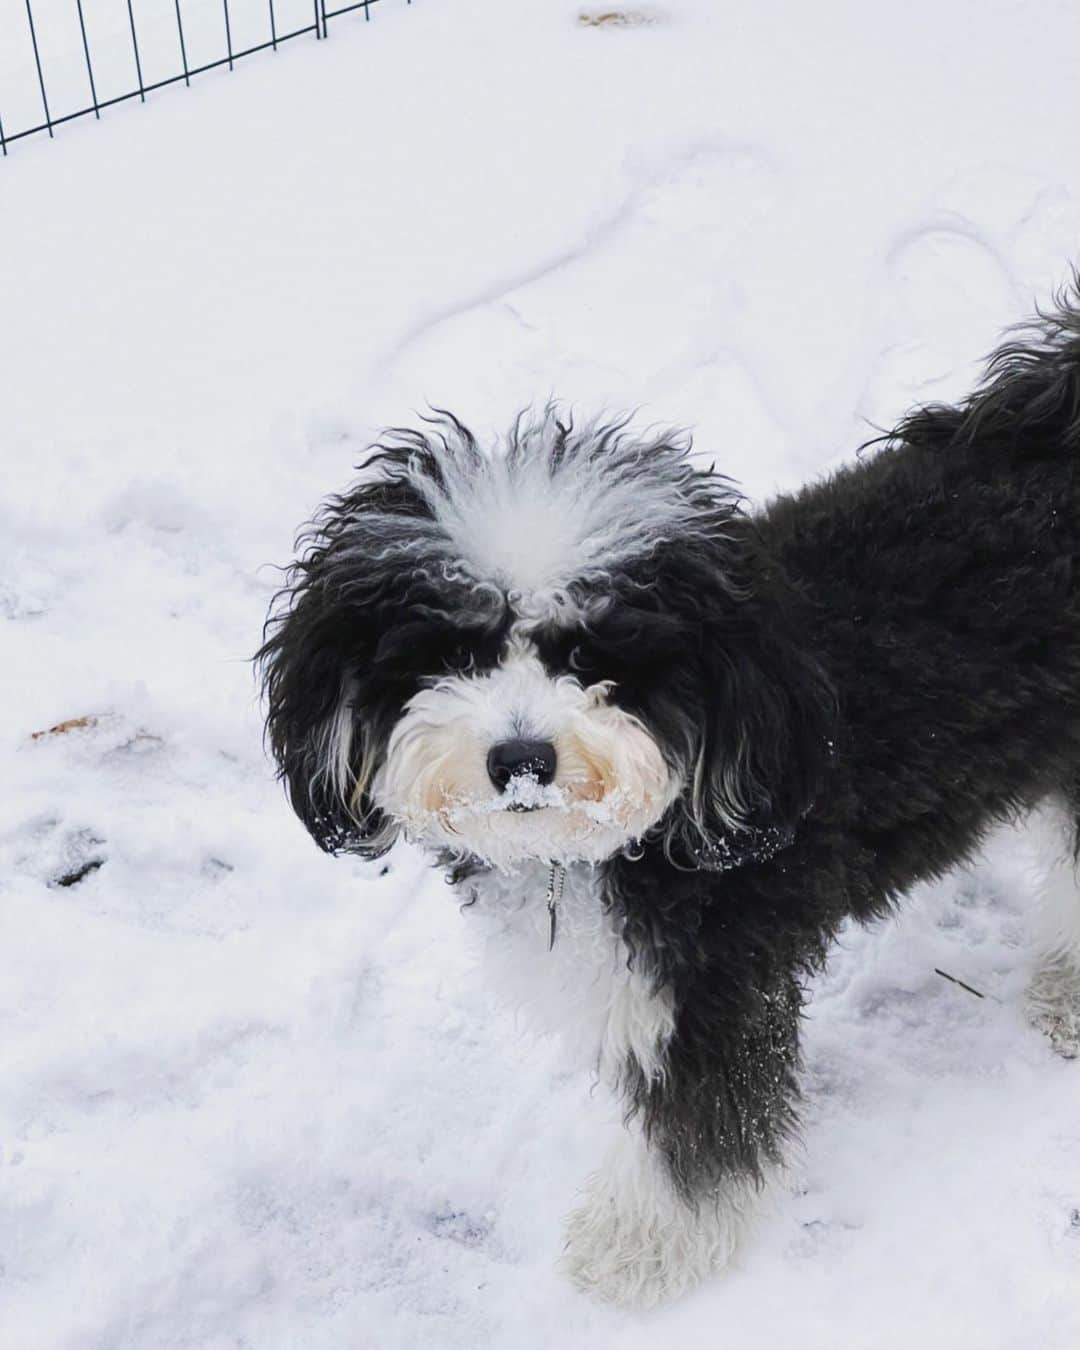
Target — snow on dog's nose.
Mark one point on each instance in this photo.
(512, 759)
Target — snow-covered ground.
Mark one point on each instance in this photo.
(253, 1097)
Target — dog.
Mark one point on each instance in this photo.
(667, 745)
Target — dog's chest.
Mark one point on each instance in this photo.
(580, 986)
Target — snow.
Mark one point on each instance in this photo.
(252, 1096)
(525, 792)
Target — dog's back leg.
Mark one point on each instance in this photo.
(1053, 998)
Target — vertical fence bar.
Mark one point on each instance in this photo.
(183, 44)
(322, 6)
(37, 62)
(3, 143)
(367, 12)
(318, 33)
(228, 32)
(273, 27)
(135, 45)
(89, 67)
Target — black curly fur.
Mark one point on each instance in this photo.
(941, 583)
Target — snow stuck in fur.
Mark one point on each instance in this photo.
(525, 792)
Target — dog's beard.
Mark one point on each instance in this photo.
(611, 783)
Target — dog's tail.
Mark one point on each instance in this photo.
(1029, 400)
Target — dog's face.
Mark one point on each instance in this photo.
(548, 652)
(523, 759)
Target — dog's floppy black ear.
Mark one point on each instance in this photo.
(331, 701)
(324, 735)
(764, 715)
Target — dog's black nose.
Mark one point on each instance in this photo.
(512, 759)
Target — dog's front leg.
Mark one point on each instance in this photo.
(637, 1239)
(707, 1125)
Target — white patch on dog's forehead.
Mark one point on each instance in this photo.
(534, 527)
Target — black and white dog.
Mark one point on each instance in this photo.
(679, 744)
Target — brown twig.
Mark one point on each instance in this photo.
(62, 728)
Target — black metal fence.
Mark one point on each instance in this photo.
(111, 51)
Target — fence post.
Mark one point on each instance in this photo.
(3, 143)
(273, 27)
(37, 62)
(135, 45)
(183, 44)
(89, 67)
(322, 6)
(228, 33)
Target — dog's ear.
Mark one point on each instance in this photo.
(331, 702)
(323, 718)
(324, 745)
(764, 716)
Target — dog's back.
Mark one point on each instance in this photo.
(945, 604)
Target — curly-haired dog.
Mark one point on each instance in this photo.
(678, 744)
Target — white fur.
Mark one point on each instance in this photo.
(335, 747)
(533, 524)
(611, 782)
(635, 1241)
(583, 988)
(1053, 998)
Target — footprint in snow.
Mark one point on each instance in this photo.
(458, 1226)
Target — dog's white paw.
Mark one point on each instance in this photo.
(635, 1242)
(1053, 1005)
